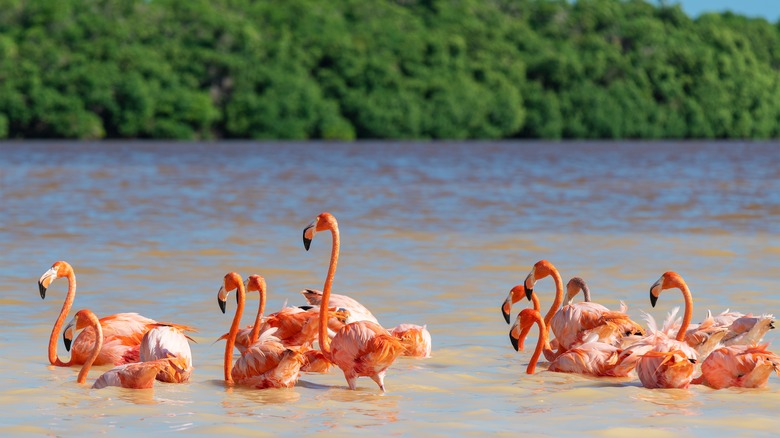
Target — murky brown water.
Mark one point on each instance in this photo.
(433, 233)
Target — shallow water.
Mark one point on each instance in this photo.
(432, 233)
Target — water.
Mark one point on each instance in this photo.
(432, 233)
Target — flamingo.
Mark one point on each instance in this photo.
(139, 375)
(358, 312)
(516, 294)
(267, 363)
(123, 331)
(415, 338)
(360, 348)
(744, 366)
(575, 321)
(661, 361)
(743, 329)
(591, 357)
(168, 341)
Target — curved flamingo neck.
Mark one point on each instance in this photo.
(231, 340)
(55, 332)
(334, 260)
(259, 320)
(535, 301)
(688, 311)
(540, 344)
(558, 296)
(95, 323)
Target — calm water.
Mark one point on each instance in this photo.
(432, 233)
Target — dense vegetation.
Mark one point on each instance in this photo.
(344, 69)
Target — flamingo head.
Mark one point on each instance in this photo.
(57, 270)
(515, 295)
(574, 286)
(80, 320)
(541, 269)
(231, 282)
(517, 334)
(325, 221)
(255, 283)
(669, 280)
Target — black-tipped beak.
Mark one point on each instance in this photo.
(654, 296)
(515, 342)
(771, 325)
(529, 292)
(42, 290)
(692, 360)
(66, 341)
(306, 240)
(505, 313)
(222, 304)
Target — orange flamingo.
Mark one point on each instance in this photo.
(267, 363)
(575, 321)
(168, 341)
(358, 312)
(590, 357)
(743, 329)
(415, 338)
(361, 348)
(133, 375)
(744, 366)
(123, 331)
(661, 361)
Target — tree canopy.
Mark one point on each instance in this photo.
(386, 69)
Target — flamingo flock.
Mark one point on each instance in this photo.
(592, 340)
(273, 352)
(586, 338)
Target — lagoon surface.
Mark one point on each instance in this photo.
(432, 233)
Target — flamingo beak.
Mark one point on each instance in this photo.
(308, 234)
(222, 298)
(45, 281)
(530, 281)
(67, 335)
(655, 290)
(514, 336)
(506, 308)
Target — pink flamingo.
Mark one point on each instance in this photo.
(575, 321)
(267, 363)
(167, 341)
(738, 365)
(590, 357)
(133, 375)
(361, 348)
(122, 332)
(661, 361)
(415, 338)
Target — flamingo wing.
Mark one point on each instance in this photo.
(165, 341)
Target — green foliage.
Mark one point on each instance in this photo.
(350, 69)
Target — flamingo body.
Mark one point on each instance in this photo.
(168, 342)
(268, 364)
(364, 348)
(739, 365)
(416, 339)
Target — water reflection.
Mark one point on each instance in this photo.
(674, 401)
(240, 401)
